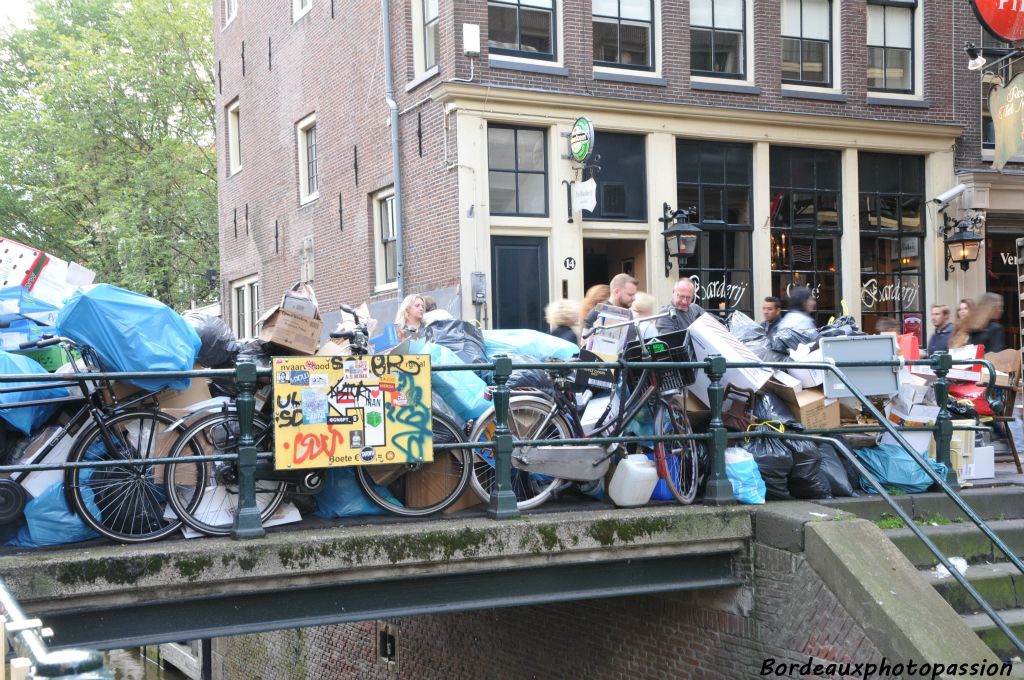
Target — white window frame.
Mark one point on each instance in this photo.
(230, 12)
(250, 289)
(748, 46)
(380, 275)
(656, 28)
(419, 62)
(300, 8)
(918, 57)
(835, 56)
(301, 130)
(234, 119)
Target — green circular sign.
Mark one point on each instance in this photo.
(581, 140)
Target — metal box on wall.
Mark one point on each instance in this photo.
(870, 380)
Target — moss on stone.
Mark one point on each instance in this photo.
(192, 568)
(126, 571)
(610, 531)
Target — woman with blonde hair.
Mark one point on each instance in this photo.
(644, 305)
(980, 327)
(561, 316)
(409, 318)
(595, 296)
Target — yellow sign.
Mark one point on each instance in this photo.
(337, 411)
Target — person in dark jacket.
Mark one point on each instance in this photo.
(682, 311)
(771, 310)
(561, 315)
(941, 331)
(980, 327)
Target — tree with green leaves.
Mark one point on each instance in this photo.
(107, 150)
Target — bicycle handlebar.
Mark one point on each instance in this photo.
(43, 342)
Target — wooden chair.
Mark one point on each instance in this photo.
(1007, 417)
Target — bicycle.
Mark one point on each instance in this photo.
(124, 503)
(534, 414)
(205, 495)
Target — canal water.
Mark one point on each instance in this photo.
(131, 664)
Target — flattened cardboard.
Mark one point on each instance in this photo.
(707, 337)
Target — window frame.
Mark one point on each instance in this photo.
(426, 25)
(516, 171)
(743, 75)
(827, 83)
(914, 48)
(300, 8)
(607, 179)
(249, 314)
(383, 200)
(521, 54)
(233, 130)
(307, 193)
(653, 66)
(876, 233)
(230, 8)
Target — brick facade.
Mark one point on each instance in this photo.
(787, 614)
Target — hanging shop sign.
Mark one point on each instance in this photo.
(1004, 19)
(340, 411)
(581, 139)
(1007, 107)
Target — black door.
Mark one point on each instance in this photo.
(519, 267)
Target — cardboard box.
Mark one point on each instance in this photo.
(333, 348)
(961, 446)
(922, 442)
(198, 390)
(707, 337)
(429, 484)
(970, 373)
(809, 406)
(697, 413)
(807, 377)
(911, 415)
(982, 467)
(288, 329)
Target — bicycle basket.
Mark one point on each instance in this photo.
(670, 347)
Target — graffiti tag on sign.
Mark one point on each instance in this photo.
(337, 411)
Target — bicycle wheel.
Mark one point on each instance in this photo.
(681, 473)
(529, 417)
(205, 495)
(419, 489)
(124, 503)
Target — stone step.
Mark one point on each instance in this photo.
(1001, 584)
(989, 503)
(993, 637)
(960, 540)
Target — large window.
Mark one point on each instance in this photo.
(521, 28)
(717, 43)
(230, 11)
(806, 224)
(431, 48)
(892, 227)
(386, 239)
(309, 184)
(622, 182)
(517, 170)
(624, 33)
(715, 178)
(234, 138)
(807, 42)
(245, 301)
(891, 45)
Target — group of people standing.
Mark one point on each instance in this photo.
(977, 323)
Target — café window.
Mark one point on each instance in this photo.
(517, 170)
(891, 45)
(892, 228)
(806, 225)
(715, 178)
(717, 43)
(806, 42)
(521, 28)
(622, 182)
(623, 33)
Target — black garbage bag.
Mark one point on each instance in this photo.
(774, 462)
(806, 479)
(961, 409)
(834, 471)
(256, 351)
(219, 345)
(459, 336)
(703, 465)
(529, 378)
(844, 325)
(786, 339)
(769, 407)
(753, 335)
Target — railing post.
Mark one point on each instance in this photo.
(718, 490)
(247, 516)
(941, 363)
(503, 503)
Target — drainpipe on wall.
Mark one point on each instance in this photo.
(389, 95)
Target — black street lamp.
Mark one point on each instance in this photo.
(962, 246)
(680, 236)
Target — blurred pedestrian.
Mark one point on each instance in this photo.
(561, 316)
(644, 305)
(942, 329)
(622, 291)
(980, 327)
(887, 324)
(594, 296)
(429, 303)
(801, 305)
(771, 310)
(964, 308)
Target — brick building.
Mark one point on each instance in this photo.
(810, 134)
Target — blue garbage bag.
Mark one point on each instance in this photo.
(131, 332)
(742, 472)
(343, 497)
(17, 303)
(527, 342)
(895, 469)
(49, 521)
(28, 418)
(463, 391)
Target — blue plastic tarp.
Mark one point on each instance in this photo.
(463, 391)
(26, 419)
(343, 497)
(531, 343)
(131, 332)
(895, 469)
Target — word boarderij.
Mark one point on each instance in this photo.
(338, 411)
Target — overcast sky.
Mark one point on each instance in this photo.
(14, 12)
